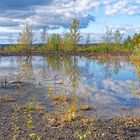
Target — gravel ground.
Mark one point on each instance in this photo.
(45, 123)
(28, 125)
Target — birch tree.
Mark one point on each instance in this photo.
(26, 37)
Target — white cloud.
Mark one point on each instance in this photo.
(61, 13)
(129, 7)
(126, 29)
(138, 1)
(118, 87)
(58, 13)
(9, 29)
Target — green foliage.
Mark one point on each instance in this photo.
(16, 48)
(69, 42)
(54, 42)
(75, 34)
(103, 48)
(133, 86)
(83, 136)
(16, 128)
(28, 118)
(128, 43)
(136, 41)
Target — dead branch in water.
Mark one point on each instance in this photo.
(6, 99)
(5, 82)
(16, 82)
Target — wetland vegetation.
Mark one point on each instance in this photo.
(69, 42)
(60, 89)
(69, 97)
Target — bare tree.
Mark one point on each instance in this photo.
(108, 37)
(11, 39)
(44, 36)
(26, 36)
(117, 37)
(88, 39)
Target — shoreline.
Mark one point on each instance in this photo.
(52, 53)
(34, 122)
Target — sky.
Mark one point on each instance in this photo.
(57, 15)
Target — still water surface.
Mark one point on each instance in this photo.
(103, 84)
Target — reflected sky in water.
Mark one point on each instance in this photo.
(105, 84)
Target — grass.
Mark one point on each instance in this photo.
(27, 117)
(83, 136)
(98, 48)
(59, 99)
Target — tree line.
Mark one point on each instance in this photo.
(113, 41)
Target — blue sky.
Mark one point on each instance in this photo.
(56, 16)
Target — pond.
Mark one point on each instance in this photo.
(104, 84)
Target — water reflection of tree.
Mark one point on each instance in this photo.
(12, 63)
(66, 67)
(110, 66)
(53, 62)
(108, 70)
(44, 68)
(136, 65)
(74, 75)
(117, 66)
(26, 68)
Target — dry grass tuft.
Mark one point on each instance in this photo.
(59, 99)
